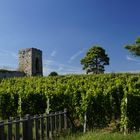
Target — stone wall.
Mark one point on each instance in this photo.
(10, 74)
(25, 61)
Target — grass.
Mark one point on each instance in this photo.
(102, 136)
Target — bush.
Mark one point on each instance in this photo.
(8, 105)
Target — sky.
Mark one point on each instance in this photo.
(65, 29)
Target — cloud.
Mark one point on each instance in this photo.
(8, 60)
(67, 69)
(73, 57)
(133, 71)
(129, 58)
(53, 53)
(48, 62)
(8, 67)
(51, 65)
(14, 55)
(8, 54)
(128, 71)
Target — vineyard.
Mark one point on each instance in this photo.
(105, 98)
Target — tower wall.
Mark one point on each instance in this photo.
(30, 61)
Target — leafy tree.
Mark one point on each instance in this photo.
(95, 60)
(53, 73)
(134, 48)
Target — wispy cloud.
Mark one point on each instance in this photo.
(128, 71)
(48, 62)
(133, 71)
(14, 55)
(8, 67)
(7, 58)
(67, 69)
(51, 65)
(129, 58)
(53, 53)
(73, 57)
(7, 54)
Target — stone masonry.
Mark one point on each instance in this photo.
(30, 61)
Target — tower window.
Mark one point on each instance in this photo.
(37, 64)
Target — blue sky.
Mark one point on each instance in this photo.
(65, 29)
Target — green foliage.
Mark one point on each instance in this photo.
(6, 71)
(95, 60)
(134, 48)
(8, 105)
(100, 135)
(102, 97)
(33, 104)
(53, 73)
(133, 112)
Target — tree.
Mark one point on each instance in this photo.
(134, 48)
(53, 73)
(95, 60)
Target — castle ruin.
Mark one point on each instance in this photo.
(30, 64)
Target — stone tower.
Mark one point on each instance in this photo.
(30, 61)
